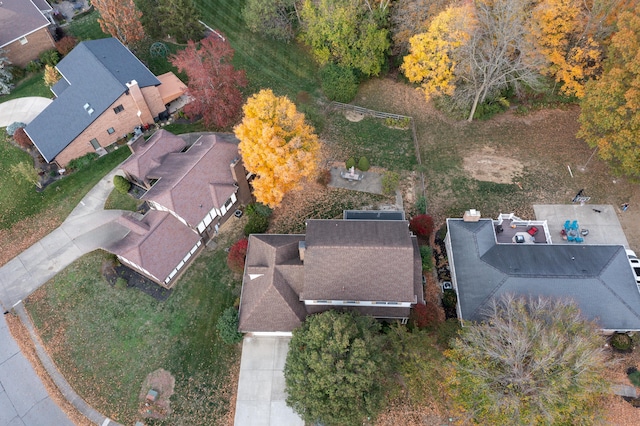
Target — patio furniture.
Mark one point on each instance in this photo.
(532, 231)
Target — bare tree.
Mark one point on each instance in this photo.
(499, 53)
(532, 361)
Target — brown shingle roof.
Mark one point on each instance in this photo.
(269, 301)
(191, 183)
(359, 260)
(19, 18)
(148, 154)
(157, 243)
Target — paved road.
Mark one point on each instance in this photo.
(23, 399)
(22, 109)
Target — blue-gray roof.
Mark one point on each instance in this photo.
(597, 277)
(95, 73)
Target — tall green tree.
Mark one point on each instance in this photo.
(532, 361)
(335, 369)
(351, 33)
(610, 116)
(272, 18)
(179, 19)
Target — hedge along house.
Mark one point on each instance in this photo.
(190, 190)
(104, 94)
(484, 265)
(370, 266)
(25, 30)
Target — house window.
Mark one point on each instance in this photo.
(23, 40)
(110, 130)
(95, 144)
(118, 109)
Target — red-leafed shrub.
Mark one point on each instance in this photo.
(422, 225)
(66, 45)
(21, 138)
(423, 316)
(237, 254)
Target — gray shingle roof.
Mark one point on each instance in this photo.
(598, 278)
(19, 18)
(96, 73)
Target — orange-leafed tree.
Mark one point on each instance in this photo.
(570, 35)
(277, 145)
(214, 84)
(121, 19)
(610, 110)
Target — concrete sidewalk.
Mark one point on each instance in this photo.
(22, 109)
(87, 228)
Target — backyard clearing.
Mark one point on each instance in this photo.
(506, 164)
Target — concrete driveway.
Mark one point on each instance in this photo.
(261, 395)
(22, 109)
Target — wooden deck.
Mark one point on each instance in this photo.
(509, 230)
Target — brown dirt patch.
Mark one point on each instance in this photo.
(163, 383)
(353, 116)
(486, 165)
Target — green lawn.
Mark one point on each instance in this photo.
(87, 27)
(382, 145)
(286, 68)
(19, 199)
(120, 201)
(106, 341)
(32, 85)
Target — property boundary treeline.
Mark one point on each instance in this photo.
(381, 114)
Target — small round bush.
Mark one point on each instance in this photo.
(257, 224)
(324, 177)
(390, 182)
(121, 184)
(121, 283)
(11, 128)
(449, 299)
(21, 138)
(363, 164)
(339, 83)
(351, 162)
(237, 255)
(227, 326)
(421, 225)
(50, 57)
(621, 341)
(34, 66)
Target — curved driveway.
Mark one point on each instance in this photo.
(22, 109)
(23, 399)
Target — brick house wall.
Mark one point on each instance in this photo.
(122, 123)
(37, 42)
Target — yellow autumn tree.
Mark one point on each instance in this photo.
(567, 36)
(51, 75)
(432, 55)
(277, 145)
